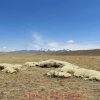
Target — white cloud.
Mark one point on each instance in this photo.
(70, 41)
(37, 38)
(40, 43)
(81, 46)
(72, 46)
(53, 46)
(37, 41)
(4, 47)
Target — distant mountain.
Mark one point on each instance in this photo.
(27, 51)
(94, 52)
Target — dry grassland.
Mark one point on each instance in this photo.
(23, 85)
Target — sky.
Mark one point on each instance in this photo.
(49, 24)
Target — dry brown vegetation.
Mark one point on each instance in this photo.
(33, 80)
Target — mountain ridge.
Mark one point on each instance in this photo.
(58, 52)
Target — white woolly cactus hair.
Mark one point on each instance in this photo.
(58, 74)
(10, 68)
(68, 69)
(62, 69)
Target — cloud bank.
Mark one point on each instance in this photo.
(40, 43)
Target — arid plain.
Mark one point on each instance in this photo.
(32, 84)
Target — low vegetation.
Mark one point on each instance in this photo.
(17, 86)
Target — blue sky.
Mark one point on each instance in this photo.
(49, 24)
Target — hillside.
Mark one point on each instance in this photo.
(94, 52)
